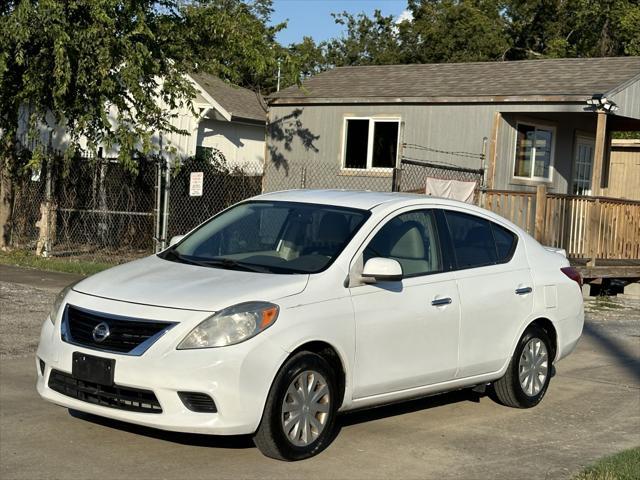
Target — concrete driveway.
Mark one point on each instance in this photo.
(592, 409)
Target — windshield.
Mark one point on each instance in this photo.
(274, 237)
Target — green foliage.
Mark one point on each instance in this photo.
(366, 41)
(28, 259)
(485, 30)
(572, 28)
(622, 466)
(79, 65)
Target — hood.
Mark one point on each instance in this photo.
(158, 282)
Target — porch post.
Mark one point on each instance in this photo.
(598, 154)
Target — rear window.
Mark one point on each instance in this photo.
(477, 242)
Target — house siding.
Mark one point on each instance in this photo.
(241, 144)
(628, 100)
(305, 143)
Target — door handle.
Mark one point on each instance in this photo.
(439, 302)
(523, 290)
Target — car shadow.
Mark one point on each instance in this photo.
(623, 356)
(236, 442)
(192, 439)
(407, 406)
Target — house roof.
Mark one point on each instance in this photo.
(570, 79)
(240, 103)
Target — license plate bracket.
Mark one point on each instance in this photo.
(93, 369)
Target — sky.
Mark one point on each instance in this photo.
(313, 17)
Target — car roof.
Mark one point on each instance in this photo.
(360, 199)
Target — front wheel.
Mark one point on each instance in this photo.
(299, 416)
(527, 378)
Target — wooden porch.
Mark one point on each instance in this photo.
(601, 235)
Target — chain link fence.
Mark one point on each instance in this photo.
(94, 209)
(86, 208)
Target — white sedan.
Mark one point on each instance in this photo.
(287, 308)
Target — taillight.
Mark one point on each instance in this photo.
(573, 274)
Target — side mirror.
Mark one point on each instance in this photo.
(175, 240)
(380, 269)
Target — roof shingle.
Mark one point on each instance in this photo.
(239, 102)
(548, 77)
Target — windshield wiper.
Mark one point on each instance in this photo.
(227, 263)
(234, 264)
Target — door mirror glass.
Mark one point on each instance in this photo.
(380, 269)
(175, 240)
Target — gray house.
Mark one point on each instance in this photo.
(525, 123)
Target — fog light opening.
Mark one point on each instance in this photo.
(42, 365)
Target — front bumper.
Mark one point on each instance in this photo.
(237, 378)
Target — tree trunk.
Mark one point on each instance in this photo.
(6, 202)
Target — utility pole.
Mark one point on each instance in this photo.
(278, 86)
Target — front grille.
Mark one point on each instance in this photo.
(122, 398)
(125, 335)
(198, 402)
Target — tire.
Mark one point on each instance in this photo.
(509, 390)
(289, 443)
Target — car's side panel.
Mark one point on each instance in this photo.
(492, 308)
(402, 340)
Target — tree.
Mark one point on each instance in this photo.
(454, 31)
(76, 63)
(367, 41)
(572, 28)
(84, 63)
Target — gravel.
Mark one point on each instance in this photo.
(22, 311)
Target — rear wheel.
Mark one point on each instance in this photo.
(527, 378)
(299, 416)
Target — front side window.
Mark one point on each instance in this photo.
(411, 239)
(534, 152)
(274, 237)
(371, 143)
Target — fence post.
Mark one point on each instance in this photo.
(395, 180)
(593, 233)
(303, 177)
(541, 209)
(45, 224)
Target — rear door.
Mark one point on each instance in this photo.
(495, 287)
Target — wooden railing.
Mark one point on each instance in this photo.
(586, 227)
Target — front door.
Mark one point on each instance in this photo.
(406, 331)
(583, 165)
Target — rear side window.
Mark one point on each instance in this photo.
(472, 240)
(505, 242)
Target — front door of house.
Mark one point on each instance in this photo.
(583, 165)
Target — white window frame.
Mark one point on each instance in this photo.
(531, 178)
(372, 121)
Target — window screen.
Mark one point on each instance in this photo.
(411, 239)
(472, 239)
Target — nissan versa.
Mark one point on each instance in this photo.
(287, 308)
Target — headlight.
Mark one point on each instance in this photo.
(231, 325)
(55, 308)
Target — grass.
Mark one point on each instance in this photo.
(621, 466)
(23, 258)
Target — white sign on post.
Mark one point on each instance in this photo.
(195, 184)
